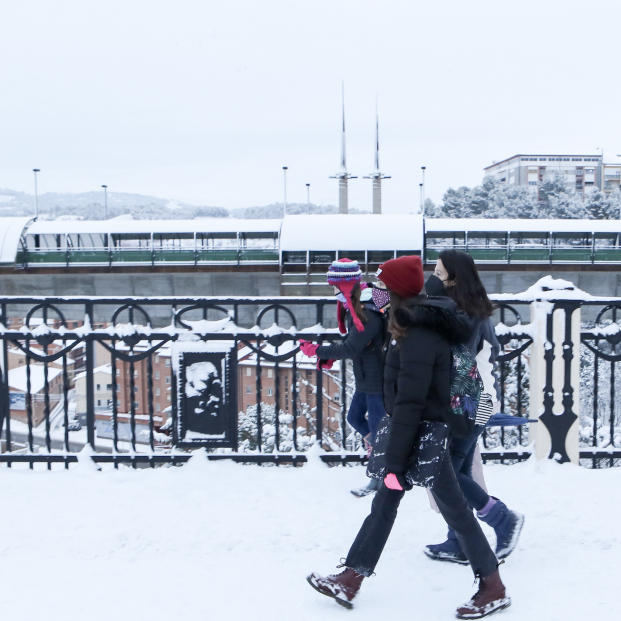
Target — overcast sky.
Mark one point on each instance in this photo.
(205, 101)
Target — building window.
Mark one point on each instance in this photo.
(98, 386)
(248, 371)
(168, 379)
(543, 159)
(157, 375)
(118, 403)
(135, 389)
(98, 403)
(532, 183)
(158, 407)
(157, 359)
(270, 392)
(136, 404)
(167, 362)
(248, 390)
(118, 372)
(157, 391)
(135, 372)
(270, 373)
(118, 386)
(337, 397)
(168, 397)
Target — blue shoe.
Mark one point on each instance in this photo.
(449, 551)
(507, 524)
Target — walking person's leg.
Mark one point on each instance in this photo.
(507, 524)
(357, 417)
(364, 552)
(375, 413)
(450, 499)
(357, 414)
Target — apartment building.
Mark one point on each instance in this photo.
(584, 173)
(304, 383)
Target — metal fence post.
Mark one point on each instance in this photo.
(555, 379)
(90, 380)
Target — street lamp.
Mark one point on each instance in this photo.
(308, 197)
(285, 168)
(423, 169)
(35, 171)
(105, 187)
(422, 207)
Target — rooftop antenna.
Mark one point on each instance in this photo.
(376, 175)
(343, 176)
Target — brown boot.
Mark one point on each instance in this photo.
(342, 587)
(490, 597)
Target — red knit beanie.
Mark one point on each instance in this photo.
(404, 276)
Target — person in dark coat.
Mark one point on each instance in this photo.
(417, 380)
(456, 277)
(363, 323)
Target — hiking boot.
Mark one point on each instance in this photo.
(490, 598)
(449, 551)
(341, 587)
(507, 524)
(371, 488)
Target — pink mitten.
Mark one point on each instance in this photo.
(308, 349)
(325, 364)
(391, 482)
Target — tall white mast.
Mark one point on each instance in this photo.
(343, 176)
(376, 175)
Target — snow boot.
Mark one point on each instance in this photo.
(490, 598)
(449, 551)
(507, 524)
(371, 488)
(341, 587)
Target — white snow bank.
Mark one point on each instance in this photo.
(220, 540)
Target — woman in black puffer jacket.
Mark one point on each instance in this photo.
(417, 378)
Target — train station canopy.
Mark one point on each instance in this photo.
(352, 232)
(11, 230)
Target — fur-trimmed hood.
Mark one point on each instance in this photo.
(439, 314)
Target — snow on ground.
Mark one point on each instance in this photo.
(222, 540)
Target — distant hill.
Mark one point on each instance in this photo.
(90, 206)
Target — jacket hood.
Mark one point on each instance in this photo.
(439, 314)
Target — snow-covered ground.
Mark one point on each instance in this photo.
(214, 540)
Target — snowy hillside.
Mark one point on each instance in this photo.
(90, 206)
(220, 540)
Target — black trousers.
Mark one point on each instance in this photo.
(372, 537)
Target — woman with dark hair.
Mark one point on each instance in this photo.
(417, 387)
(363, 323)
(456, 276)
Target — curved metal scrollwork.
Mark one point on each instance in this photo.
(613, 338)
(276, 308)
(270, 357)
(44, 307)
(203, 307)
(136, 357)
(131, 308)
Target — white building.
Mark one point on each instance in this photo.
(102, 379)
(583, 172)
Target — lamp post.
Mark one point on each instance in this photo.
(423, 169)
(422, 207)
(308, 197)
(285, 168)
(35, 171)
(105, 187)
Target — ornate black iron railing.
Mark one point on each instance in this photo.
(51, 362)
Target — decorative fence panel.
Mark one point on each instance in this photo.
(227, 374)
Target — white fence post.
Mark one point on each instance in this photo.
(551, 340)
